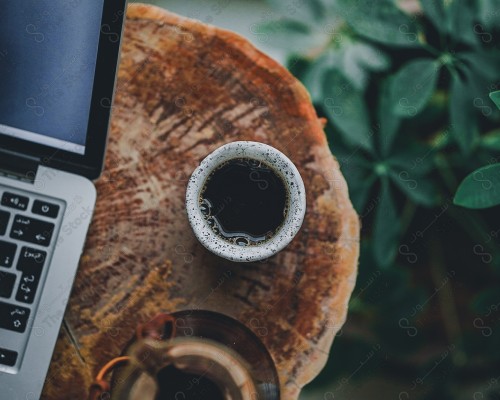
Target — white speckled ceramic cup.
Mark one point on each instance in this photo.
(281, 166)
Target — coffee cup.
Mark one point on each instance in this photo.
(246, 201)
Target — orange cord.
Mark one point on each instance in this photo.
(153, 330)
(101, 386)
(110, 365)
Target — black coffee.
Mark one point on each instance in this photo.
(244, 201)
(175, 384)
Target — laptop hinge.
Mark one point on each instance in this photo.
(17, 166)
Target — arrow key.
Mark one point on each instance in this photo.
(27, 286)
(13, 318)
(32, 230)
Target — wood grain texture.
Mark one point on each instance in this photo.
(184, 89)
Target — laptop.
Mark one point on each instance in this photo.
(58, 61)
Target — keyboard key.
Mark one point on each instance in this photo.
(46, 209)
(31, 259)
(4, 220)
(7, 282)
(13, 318)
(7, 253)
(32, 230)
(8, 357)
(27, 286)
(31, 263)
(15, 201)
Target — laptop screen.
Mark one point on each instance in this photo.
(48, 53)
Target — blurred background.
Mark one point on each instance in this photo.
(404, 86)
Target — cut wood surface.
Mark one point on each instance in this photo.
(184, 89)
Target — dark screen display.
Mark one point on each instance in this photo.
(48, 51)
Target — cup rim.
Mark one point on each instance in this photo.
(281, 165)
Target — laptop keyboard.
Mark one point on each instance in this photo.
(28, 226)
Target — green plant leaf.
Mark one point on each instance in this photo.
(358, 59)
(416, 158)
(462, 115)
(488, 13)
(420, 190)
(359, 188)
(460, 17)
(314, 77)
(305, 11)
(481, 189)
(480, 70)
(352, 58)
(313, 80)
(357, 171)
(412, 86)
(359, 194)
(480, 63)
(287, 34)
(389, 122)
(409, 169)
(435, 11)
(345, 106)
(495, 96)
(371, 57)
(380, 21)
(387, 227)
(298, 66)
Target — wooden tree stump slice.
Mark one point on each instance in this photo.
(184, 89)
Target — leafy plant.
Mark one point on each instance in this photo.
(495, 96)
(406, 97)
(381, 75)
(481, 189)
